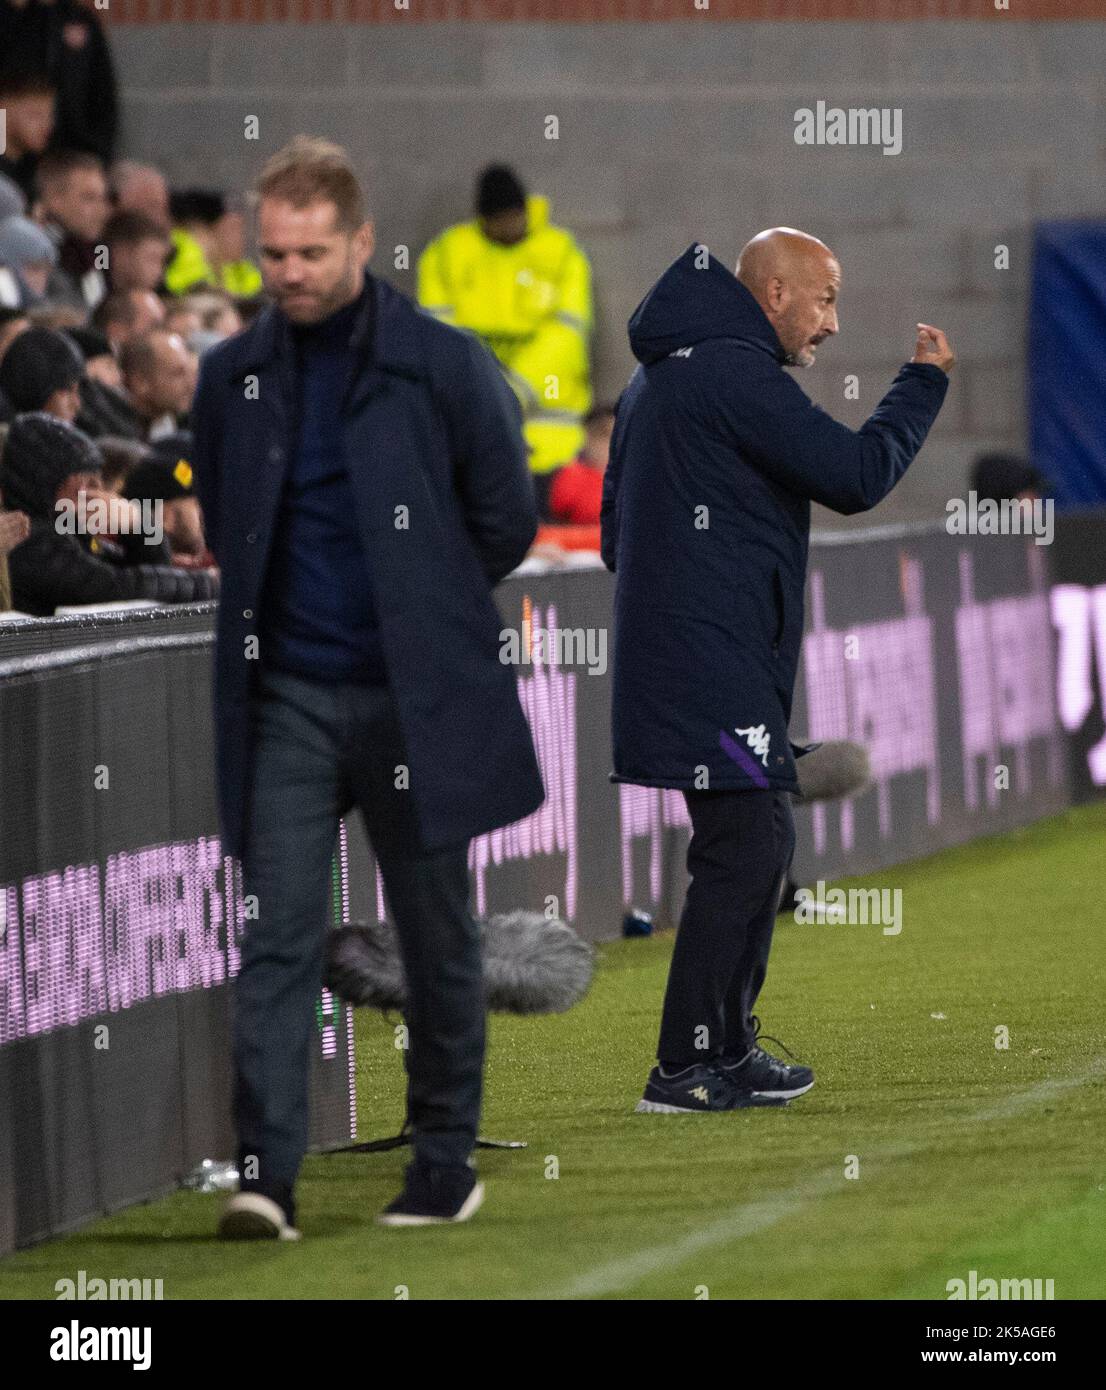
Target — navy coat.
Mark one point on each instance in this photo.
(716, 455)
(429, 425)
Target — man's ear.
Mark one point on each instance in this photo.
(776, 293)
(364, 240)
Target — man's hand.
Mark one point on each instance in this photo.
(933, 347)
(15, 527)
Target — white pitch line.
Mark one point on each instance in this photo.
(751, 1217)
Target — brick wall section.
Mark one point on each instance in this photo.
(677, 132)
(586, 11)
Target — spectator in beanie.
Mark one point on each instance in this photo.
(576, 493)
(141, 188)
(159, 376)
(30, 257)
(166, 477)
(72, 203)
(46, 462)
(27, 97)
(41, 371)
(138, 250)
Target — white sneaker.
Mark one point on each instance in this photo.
(251, 1216)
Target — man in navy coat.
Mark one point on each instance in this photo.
(364, 485)
(716, 456)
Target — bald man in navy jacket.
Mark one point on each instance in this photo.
(716, 456)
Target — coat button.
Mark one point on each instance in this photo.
(276, 453)
(247, 612)
(251, 536)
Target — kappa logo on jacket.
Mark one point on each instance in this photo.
(757, 737)
(682, 352)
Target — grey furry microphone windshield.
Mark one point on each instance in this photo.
(833, 769)
(532, 965)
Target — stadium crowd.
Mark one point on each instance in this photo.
(113, 285)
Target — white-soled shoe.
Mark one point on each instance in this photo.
(252, 1216)
(434, 1197)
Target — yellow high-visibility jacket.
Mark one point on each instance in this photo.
(531, 304)
(188, 269)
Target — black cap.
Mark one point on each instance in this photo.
(1000, 476)
(160, 479)
(36, 365)
(173, 448)
(90, 342)
(498, 189)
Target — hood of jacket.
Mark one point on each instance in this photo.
(692, 302)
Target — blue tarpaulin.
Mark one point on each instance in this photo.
(1066, 372)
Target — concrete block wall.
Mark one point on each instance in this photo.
(676, 132)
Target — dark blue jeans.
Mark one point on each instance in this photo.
(320, 749)
(741, 847)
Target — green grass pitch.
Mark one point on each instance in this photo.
(970, 1157)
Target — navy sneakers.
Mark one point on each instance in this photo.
(702, 1087)
(762, 1074)
(433, 1196)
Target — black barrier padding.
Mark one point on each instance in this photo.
(140, 1081)
(20, 711)
(10, 1121)
(192, 801)
(204, 1032)
(56, 1170)
(109, 1097)
(134, 745)
(1003, 665)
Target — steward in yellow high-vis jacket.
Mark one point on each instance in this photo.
(208, 239)
(524, 287)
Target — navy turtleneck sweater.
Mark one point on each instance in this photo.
(317, 617)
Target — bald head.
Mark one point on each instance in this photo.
(794, 278)
(141, 188)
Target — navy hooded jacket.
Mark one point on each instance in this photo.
(716, 455)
